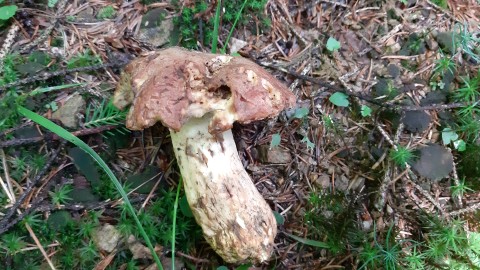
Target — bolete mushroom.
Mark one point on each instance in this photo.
(198, 96)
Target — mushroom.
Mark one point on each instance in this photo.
(198, 96)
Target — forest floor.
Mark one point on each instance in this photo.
(377, 166)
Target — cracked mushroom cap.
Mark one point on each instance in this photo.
(175, 84)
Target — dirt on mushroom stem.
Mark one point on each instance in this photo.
(235, 219)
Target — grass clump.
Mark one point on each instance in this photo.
(107, 12)
(84, 59)
(468, 115)
(331, 219)
(384, 254)
(197, 22)
(401, 156)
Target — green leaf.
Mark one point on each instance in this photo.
(7, 12)
(222, 268)
(460, 145)
(448, 136)
(301, 113)
(276, 138)
(309, 242)
(339, 99)
(365, 111)
(279, 218)
(333, 44)
(308, 142)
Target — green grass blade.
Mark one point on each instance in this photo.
(73, 139)
(174, 225)
(239, 13)
(54, 88)
(216, 26)
(309, 242)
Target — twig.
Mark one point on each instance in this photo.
(39, 245)
(7, 44)
(382, 191)
(60, 9)
(47, 75)
(27, 226)
(55, 137)
(8, 189)
(29, 188)
(456, 181)
(191, 258)
(468, 209)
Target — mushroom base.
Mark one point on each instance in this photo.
(235, 219)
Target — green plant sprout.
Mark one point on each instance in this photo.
(401, 156)
(460, 189)
(107, 12)
(386, 255)
(104, 114)
(365, 111)
(414, 259)
(60, 195)
(84, 59)
(469, 43)
(470, 92)
(443, 65)
(450, 136)
(333, 44)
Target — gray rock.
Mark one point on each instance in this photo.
(68, 112)
(106, 237)
(276, 155)
(155, 28)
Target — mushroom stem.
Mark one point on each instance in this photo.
(235, 219)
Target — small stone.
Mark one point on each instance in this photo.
(275, 155)
(155, 28)
(446, 42)
(323, 181)
(341, 183)
(432, 44)
(106, 237)
(167, 263)
(139, 251)
(236, 45)
(68, 112)
(86, 15)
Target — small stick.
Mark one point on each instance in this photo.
(456, 181)
(468, 209)
(195, 260)
(55, 137)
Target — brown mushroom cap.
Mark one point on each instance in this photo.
(174, 85)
